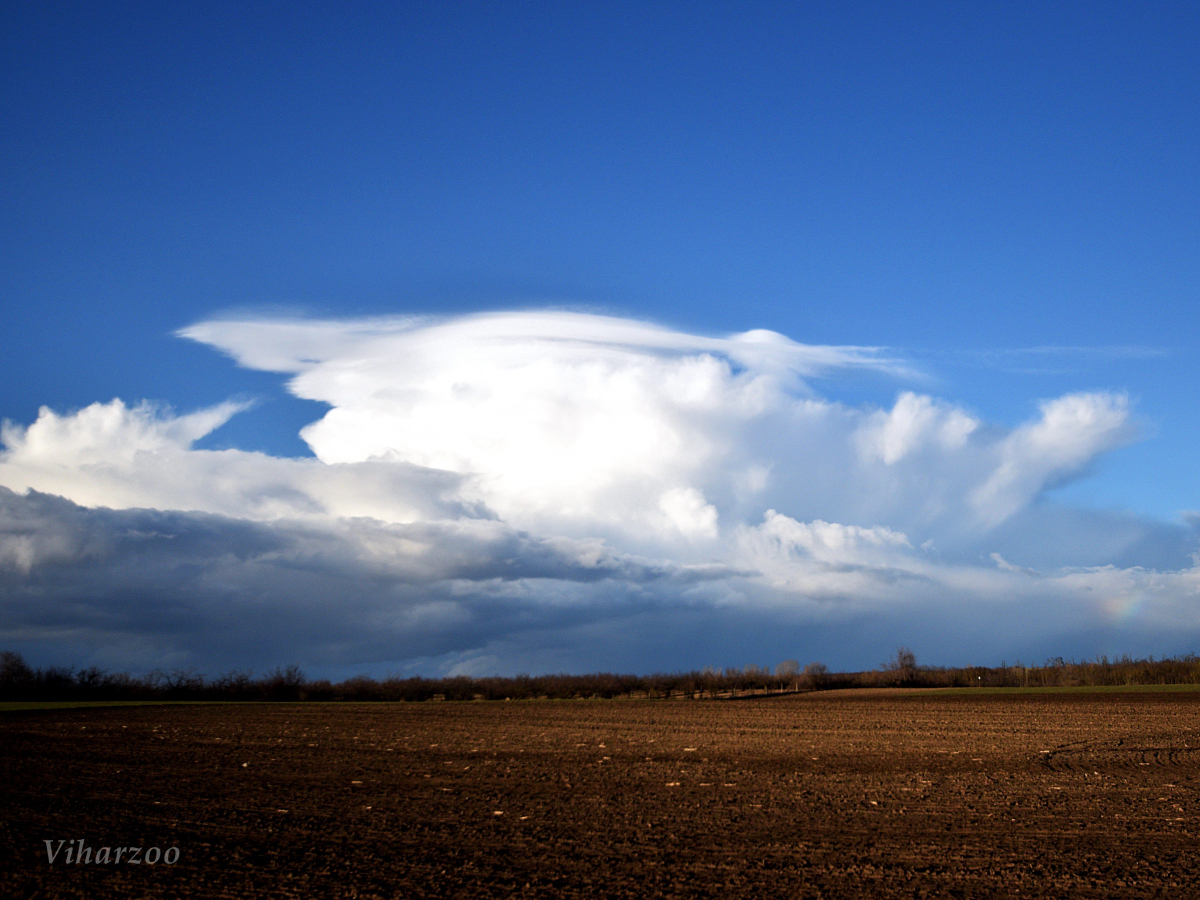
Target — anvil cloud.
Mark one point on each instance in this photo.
(558, 490)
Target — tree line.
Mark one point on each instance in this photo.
(21, 682)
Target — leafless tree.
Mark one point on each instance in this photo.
(903, 666)
(788, 673)
(13, 669)
(816, 675)
(91, 678)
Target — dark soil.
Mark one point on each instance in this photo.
(844, 794)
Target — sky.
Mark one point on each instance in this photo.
(473, 339)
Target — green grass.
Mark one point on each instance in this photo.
(21, 705)
(1073, 689)
(929, 692)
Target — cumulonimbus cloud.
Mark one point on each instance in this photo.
(571, 421)
(501, 458)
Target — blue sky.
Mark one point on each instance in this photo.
(1005, 197)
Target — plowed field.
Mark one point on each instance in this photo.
(840, 794)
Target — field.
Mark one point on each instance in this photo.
(837, 794)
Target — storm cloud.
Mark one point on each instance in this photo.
(558, 490)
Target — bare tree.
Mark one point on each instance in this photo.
(903, 666)
(816, 675)
(180, 681)
(787, 672)
(235, 683)
(285, 684)
(13, 669)
(91, 678)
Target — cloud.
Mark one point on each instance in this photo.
(573, 418)
(1071, 432)
(913, 423)
(169, 588)
(504, 488)
(108, 454)
(201, 586)
(591, 424)
(879, 570)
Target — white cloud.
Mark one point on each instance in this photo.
(913, 423)
(686, 510)
(582, 423)
(1071, 433)
(876, 569)
(478, 477)
(109, 433)
(562, 419)
(108, 454)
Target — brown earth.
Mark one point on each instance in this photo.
(843, 794)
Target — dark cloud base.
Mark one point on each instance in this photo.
(143, 589)
(151, 588)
